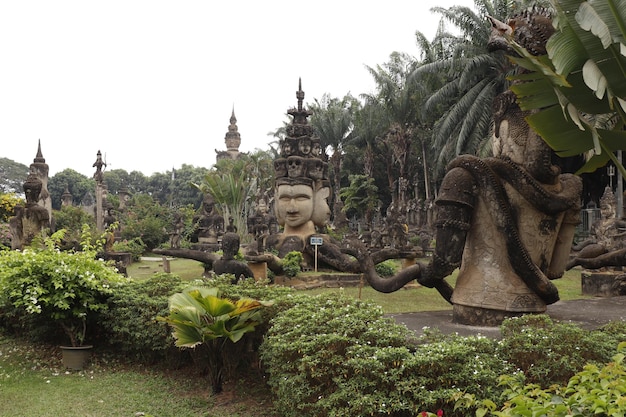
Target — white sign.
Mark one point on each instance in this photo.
(316, 240)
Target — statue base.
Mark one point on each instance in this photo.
(259, 270)
(476, 316)
(604, 283)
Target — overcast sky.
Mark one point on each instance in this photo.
(152, 83)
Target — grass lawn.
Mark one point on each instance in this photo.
(33, 382)
(412, 298)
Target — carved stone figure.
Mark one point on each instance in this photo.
(210, 225)
(32, 219)
(227, 264)
(607, 234)
(507, 222)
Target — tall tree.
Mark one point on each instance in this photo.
(473, 76)
(234, 184)
(77, 184)
(12, 176)
(333, 120)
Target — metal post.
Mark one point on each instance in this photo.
(620, 189)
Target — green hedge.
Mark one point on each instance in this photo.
(332, 355)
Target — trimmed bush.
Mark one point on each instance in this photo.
(335, 356)
(551, 353)
(130, 324)
(291, 264)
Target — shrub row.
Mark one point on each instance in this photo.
(334, 356)
(331, 355)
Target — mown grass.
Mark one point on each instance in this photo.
(412, 298)
(33, 383)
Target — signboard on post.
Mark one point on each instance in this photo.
(316, 241)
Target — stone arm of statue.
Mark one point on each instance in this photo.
(454, 212)
(208, 259)
(562, 247)
(274, 263)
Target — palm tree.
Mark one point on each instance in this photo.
(234, 183)
(401, 123)
(472, 76)
(333, 121)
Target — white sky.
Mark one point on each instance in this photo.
(152, 83)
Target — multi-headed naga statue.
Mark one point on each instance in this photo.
(506, 221)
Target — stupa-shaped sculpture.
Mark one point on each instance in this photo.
(232, 140)
(40, 169)
(66, 197)
(302, 186)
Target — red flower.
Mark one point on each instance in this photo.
(424, 414)
(439, 413)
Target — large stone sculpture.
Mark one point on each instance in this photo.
(507, 222)
(301, 206)
(32, 219)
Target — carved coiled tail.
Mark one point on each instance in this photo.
(417, 272)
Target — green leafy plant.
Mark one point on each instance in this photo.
(199, 316)
(58, 286)
(386, 268)
(549, 352)
(595, 390)
(134, 246)
(291, 264)
(129, 323)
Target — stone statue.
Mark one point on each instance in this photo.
(210, 225)
(32, 219)
(227, 264)
(301, 205)
(99, 175)
(507, 222)
(177, 231)
(607, 234)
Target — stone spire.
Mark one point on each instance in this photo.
(40, 169)
(232, 140)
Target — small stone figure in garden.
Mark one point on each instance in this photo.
(227, 264)
(98, 175)
(608, 234)
(175, 235)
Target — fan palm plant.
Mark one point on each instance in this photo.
(199, 316)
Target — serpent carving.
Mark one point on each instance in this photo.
(506, 221)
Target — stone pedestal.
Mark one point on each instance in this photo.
(259, 269)
(603, 283)
(407, 262)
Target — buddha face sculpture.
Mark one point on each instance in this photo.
(294, 207)
(321, 209)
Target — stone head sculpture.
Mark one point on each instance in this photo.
(302, 187)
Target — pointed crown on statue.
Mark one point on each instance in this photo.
(300, 159)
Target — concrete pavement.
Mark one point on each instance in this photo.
(589, 313)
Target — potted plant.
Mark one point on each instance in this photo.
(58, 286)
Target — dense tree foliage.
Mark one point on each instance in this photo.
(12, 176)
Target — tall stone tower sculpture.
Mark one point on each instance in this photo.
(232, 139)
(302, 186)
(40, 169)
